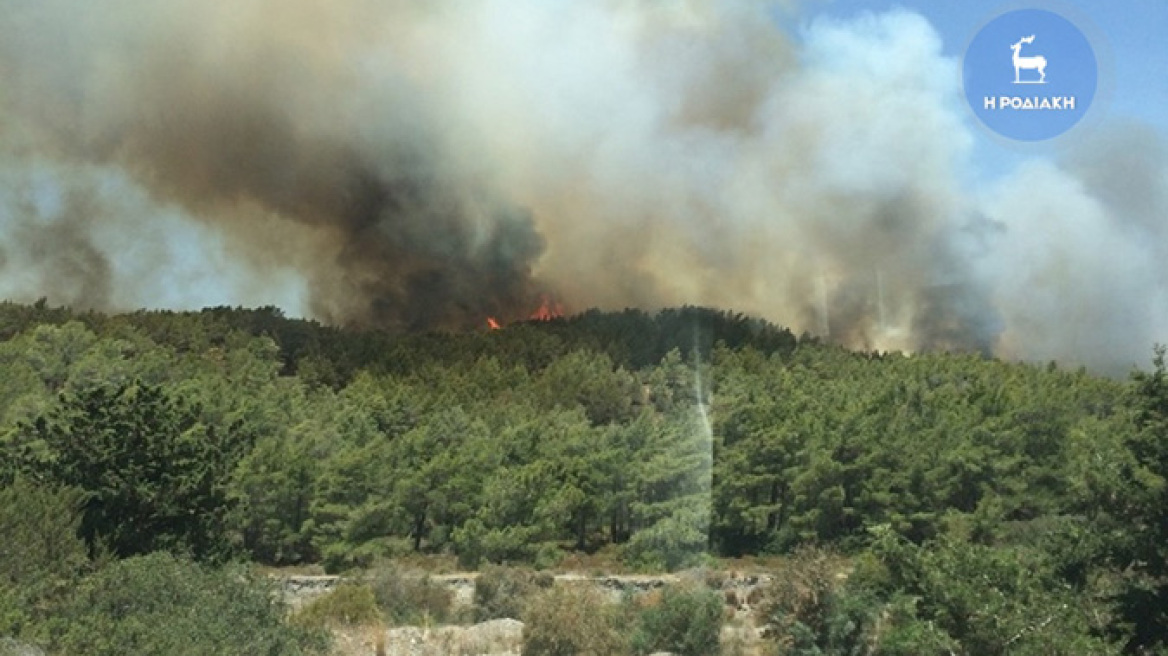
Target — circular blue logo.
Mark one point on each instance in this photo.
(1030, 74)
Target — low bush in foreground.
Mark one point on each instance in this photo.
(41, 554)
(806, 609)
(410, 599)
(349, 604)
(501, 592)
(160, 605)
(943, 597)
(685, 620)
(572, 620)
(578, 620)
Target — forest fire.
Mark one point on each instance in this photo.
(548, 309)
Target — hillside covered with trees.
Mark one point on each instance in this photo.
(984, 507)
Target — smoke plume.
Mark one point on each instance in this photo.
(414, 164)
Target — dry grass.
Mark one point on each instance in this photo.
(572, 620)
(604, 561)
(426, 563)
(288, 570)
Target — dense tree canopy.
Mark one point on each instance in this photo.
(669, 438)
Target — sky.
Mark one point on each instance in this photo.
(1130, 33)
(1129, 38)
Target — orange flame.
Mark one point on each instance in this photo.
(548, 310)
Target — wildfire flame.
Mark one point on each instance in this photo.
(548, 309)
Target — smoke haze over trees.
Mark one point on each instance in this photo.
(412, 165)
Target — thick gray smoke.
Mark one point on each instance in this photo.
(418, 164)
(281, 124)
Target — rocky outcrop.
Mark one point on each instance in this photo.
(740, 589)
(299, 589)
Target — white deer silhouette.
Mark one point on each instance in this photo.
(1029, 63)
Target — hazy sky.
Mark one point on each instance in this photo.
(1130, 38)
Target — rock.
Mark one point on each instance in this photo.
(499, 630)
(503, 637)
(10, 647)
(299, 589)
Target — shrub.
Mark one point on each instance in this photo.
(672, 543)
(348, 604)
(548, 556)
(41, 555)
(160, 605)
(686, 621)
(154, 475)
(13, 612)
(990, 600)
(406, 598)
(807, 610)
(567, 620)
(501, 592)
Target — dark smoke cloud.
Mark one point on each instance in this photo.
(416, 164)
(234, 113)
